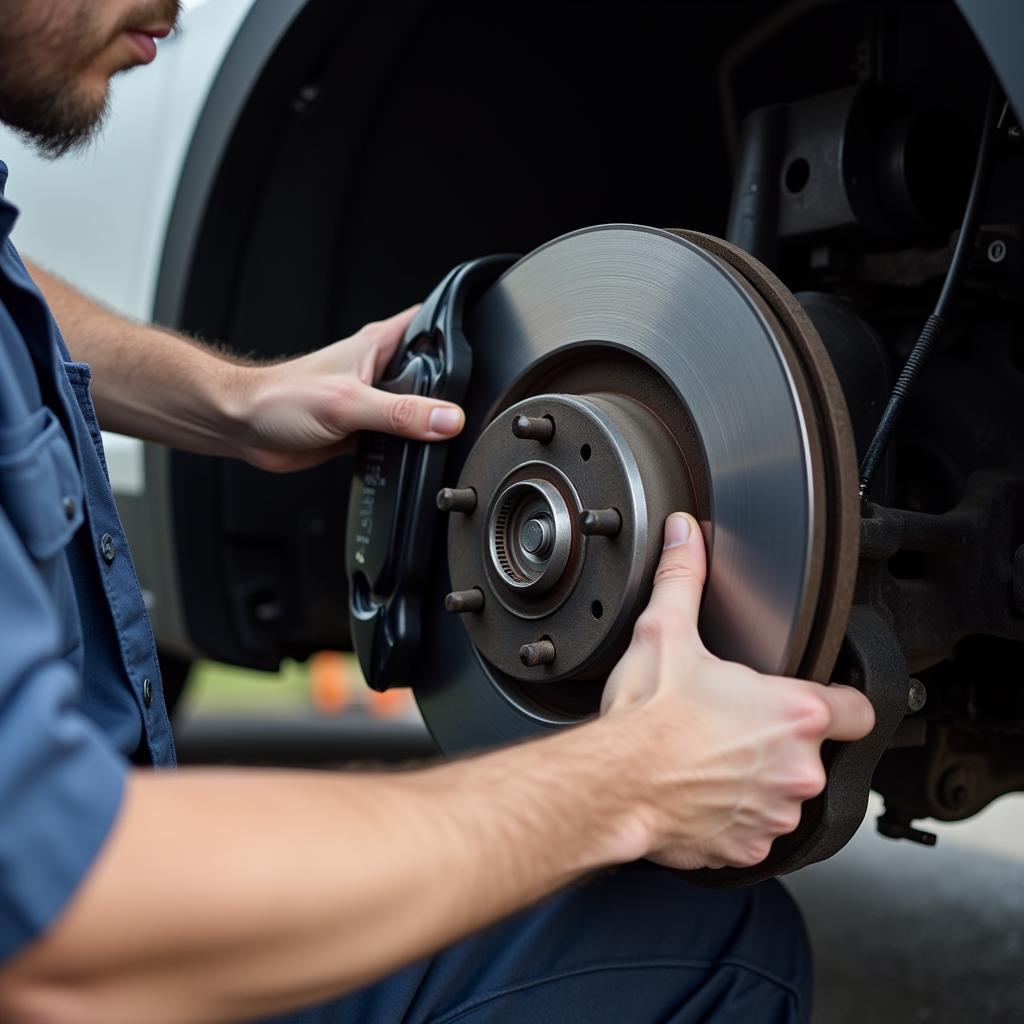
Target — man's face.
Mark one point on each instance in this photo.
(57, 58)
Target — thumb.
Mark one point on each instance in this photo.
(679, 579)
(412, 416)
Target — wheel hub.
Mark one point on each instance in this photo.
(530, 535)
(563, 539)
(619, 374)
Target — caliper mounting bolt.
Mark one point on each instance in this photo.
(600, 522)
(461, 601)
(916, 695)
(534, 428)
(456, 499)
(540, 653)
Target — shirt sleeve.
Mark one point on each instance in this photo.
(60, 781)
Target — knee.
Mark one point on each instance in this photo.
(777, 938)
(759, 927)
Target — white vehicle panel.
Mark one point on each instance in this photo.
(99, 218)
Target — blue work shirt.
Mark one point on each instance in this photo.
(80, 693)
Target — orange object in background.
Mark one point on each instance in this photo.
(389, 704)
(330, 682)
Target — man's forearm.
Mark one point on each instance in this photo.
(284, 416)
(148, 382)
(230, 895)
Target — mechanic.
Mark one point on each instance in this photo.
(440, 894)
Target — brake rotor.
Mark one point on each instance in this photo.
(621, 373)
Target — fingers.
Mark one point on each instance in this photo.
(387, 335)
(421, 419)
(853, 717)
(679, 580)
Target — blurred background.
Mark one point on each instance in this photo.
(318, 712)
(902, 933)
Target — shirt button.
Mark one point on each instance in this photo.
(70, 507)
(108, 548)
(147, 691)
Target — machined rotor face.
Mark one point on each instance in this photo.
(692, 381)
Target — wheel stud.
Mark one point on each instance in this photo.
(534, 428)
(600, 522)
(456, 499)
(461, 601)
(540, 653)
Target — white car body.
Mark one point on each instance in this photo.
(99, 218)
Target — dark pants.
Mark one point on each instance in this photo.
(634, 945)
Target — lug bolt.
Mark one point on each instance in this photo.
(461, 601)
(534, 428)
(600, 522)
(456, 499)
(540, 653)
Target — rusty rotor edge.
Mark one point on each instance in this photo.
(818, 384)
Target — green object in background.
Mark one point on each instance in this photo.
(312, 714)
(216, 689)
(329, 685)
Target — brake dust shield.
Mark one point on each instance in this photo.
(620, 373)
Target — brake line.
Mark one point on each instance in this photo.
(936, 322)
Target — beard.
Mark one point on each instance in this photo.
(56, 121)
(45, 48)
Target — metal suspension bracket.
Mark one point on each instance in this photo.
(391, 514)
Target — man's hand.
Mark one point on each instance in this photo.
(694, 762)
(301, 412)
(728, 755)
(160, 386)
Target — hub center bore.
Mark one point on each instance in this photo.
(536, 536)
(530, 536)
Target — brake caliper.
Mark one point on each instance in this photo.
(392, 515)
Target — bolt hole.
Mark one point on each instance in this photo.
(597, 609)
(585, 453)
(798, 173)
(908, 565)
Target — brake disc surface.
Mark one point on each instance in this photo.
(690, 374)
